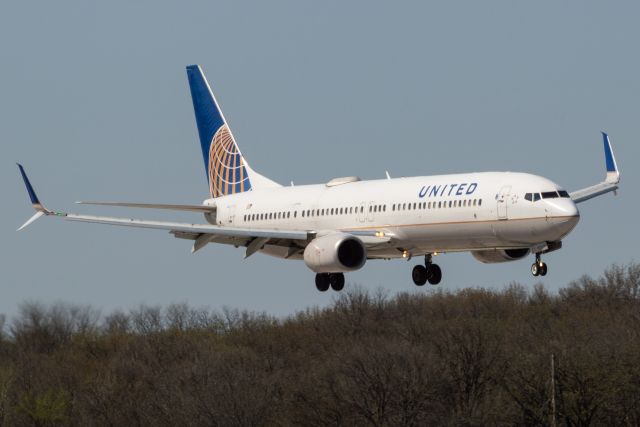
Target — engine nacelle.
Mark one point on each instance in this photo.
(492, 256)
(335, 253)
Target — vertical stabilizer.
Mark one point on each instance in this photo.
(226, 169)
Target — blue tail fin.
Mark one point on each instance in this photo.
(226, 169)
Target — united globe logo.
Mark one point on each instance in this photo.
(227, 174)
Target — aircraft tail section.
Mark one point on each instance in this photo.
(227, 170)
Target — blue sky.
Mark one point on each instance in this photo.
(95, 104)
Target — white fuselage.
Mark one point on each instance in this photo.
(427, 214)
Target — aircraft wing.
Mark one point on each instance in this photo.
(202, 234)
(611, 181)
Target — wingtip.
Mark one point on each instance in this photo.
(31, 220)
(613, 175)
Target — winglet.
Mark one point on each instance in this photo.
(35, 202)
(32, 194)
(613, 175)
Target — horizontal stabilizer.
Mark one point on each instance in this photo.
(192, 208)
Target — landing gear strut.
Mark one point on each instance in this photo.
(326, 280)
(430, 272)
(539, 268)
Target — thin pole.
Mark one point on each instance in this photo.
(553, 391)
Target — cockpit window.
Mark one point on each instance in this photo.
(550, 195)
(563, 193)
(532, 197)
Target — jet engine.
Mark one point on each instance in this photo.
(335, 253)
(492, 256)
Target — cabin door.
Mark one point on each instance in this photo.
(231, 210)
(503, 199)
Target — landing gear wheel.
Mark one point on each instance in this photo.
(435, 274)
(535, 269)
(543, 269)
(337, 281)
(419, 275)
(322, 282)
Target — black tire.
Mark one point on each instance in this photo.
(435, 274)
(543, 269)
(535, 269)
(419, 275)
(322, 282)
(337, 281)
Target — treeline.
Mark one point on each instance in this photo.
(472, 357)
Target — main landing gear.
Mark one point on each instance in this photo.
(326, 280)
(539, 268)
(429, 272)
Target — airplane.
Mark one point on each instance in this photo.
(337, 226)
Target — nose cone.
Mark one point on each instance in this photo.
(564, 216)
(566, 207)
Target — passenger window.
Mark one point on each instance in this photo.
(439, 205)
(450, 203)
(480, 202)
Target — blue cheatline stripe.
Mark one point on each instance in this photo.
(208, 117)
(611, 166)
(32, 194)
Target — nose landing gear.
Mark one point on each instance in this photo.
(539, 268)
(430, 272)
